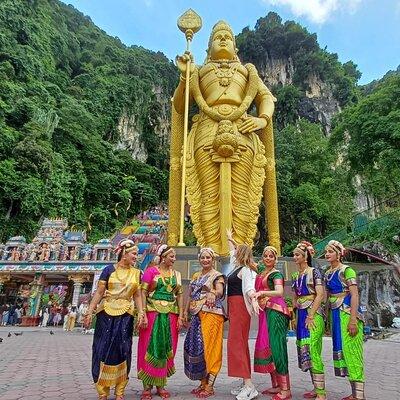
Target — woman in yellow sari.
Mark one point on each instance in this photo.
(114, 301)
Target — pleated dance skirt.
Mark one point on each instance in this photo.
(112, 349)
(156, 349)
(203, 345)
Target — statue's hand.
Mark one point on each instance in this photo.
(181, 62)
(251, 124)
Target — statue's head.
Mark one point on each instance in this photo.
(222, 45)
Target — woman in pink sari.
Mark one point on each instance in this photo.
(163, 301)
(270, 355)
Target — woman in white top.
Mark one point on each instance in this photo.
(241, 305)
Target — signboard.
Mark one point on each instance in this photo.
(52, 267)
(193, 266)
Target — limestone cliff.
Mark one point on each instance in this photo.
(317, 103)
(380, 294)
(129, 137)
(152, 119)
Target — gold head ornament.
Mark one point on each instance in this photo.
(126, 246)
(305, 246)
(272, 249)
(337, 247)
(208, 250)
(221, 26)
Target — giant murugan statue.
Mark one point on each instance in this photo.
(230, 152)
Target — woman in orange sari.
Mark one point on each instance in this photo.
(203, 343)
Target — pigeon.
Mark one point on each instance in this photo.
(1, 339)
(18, 333)
(9, 334)
(51, 333)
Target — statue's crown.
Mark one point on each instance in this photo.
(221, 26)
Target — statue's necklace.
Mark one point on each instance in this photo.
(224, 72)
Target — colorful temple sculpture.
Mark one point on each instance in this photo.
(58, 267)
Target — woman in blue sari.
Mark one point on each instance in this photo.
(307, 285)
(117, 294)
(346, 320)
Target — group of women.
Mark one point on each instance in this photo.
(156, 296)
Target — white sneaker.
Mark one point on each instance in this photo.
(247, 393)
(235, 391)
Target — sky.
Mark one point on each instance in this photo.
(364, 31)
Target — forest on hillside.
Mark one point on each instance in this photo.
(65, 84)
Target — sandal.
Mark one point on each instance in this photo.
(310, 395)
(146, 395)
(277, 397)
(208, 391)
(164, 394)
(197, 390)
(273, 390)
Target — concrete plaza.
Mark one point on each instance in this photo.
(38, 365)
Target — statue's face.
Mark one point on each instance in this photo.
(222, 46)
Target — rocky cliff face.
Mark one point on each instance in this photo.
(129, 137)
(130, 127)
(318, 103)
(163, 126)
(380, 294)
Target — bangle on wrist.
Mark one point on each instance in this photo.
(266, 117)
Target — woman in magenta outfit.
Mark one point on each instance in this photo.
(162, 298)
(271, 354)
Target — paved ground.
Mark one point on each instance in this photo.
(38, 365)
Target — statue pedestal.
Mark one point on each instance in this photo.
(186, 257)
(30, 321)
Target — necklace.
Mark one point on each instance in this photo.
(331, 272)
(168, 285)
(123, 281)
(267, 271)
(298, 283)
(225, 72)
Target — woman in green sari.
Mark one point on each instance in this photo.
(346, 320)
(269, 285)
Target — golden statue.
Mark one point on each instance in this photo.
(230, 153)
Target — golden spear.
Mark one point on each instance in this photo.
(189, 23)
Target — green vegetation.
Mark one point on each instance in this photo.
(385, 230)
(314, 198)
(64, 84)
(272, 39)
(368, 134)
